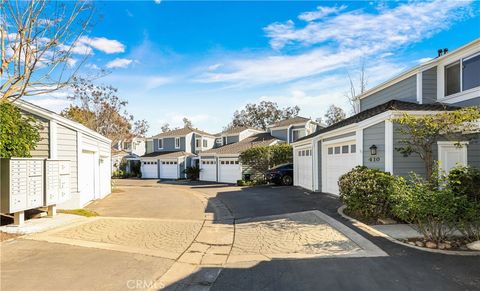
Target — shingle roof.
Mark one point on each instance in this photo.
(390, 105)
(290, 121)
(181, 132)
(170, 154)
(237, 129)
(260, 139)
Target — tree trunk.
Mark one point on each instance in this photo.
(428, 164)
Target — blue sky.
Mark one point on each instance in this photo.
(205, 59)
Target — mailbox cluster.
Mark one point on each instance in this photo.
(28, 183)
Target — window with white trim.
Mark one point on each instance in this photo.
(197, 143)
(462, 75)
(160, 144)
(205, 143)
(177, 142)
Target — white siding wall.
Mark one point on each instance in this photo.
(67, 150)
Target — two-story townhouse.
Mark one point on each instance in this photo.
(370, 138)
(221, 164)
(169, 153)
(234, 134)
(129, 150)
(292, 129)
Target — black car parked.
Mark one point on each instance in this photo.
(281, 175)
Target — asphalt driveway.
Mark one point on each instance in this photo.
(280, 238)
(403, 269)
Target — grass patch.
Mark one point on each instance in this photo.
(81, 212)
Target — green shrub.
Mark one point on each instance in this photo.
(465, 184)
(118, 174)
(19, 133)
(431, 209)
(135, 168)
(465, 181)
(251, 182)
(367, 191)
(193, 173)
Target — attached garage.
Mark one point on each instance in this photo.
(165, 164)
(303, 168)
(89, 154)
(208, 170)
(88, 179)
(169, 169)
(229, 170)
(149, 169)
(339, 158)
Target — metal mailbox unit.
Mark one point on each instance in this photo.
(21, 185)
(57, 181)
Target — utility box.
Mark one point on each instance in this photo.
(57, 181)
(21, 184)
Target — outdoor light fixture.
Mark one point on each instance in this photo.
(373, 150)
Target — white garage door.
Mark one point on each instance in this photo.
(149, 170)
(304, 168)
(229, 171)
(340, 159)
(168, 170)
(208, 170)
(87, 174)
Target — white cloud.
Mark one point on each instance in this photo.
(214, 67)
(424, 60)
(334, 42)
(175, 119)
(119, 63)
(411, 21)
(103, 44)
(157, 1)
(51, 103)
(321, 12)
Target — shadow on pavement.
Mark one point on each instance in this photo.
(403, 269)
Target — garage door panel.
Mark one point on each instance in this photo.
(168, 170)
(87, 177)
(304, 168)
(208, 170)
(149, 170)
(229, 171)
(340, 159)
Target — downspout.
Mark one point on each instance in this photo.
(288, 133)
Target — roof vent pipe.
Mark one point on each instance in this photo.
(445, 51)
(440, 52)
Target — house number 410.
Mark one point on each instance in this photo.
(374, 159)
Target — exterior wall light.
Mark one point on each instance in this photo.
(373, 150)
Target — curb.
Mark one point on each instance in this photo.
(375, 232)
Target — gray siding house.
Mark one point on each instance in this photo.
(88, 153)
(169, 153)
(370, 138)
(292, 129)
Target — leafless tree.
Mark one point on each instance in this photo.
(334, 114)
(356, 89)
(38, 41)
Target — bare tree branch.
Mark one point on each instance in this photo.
(38, 41)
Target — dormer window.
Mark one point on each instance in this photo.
(462, 75)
